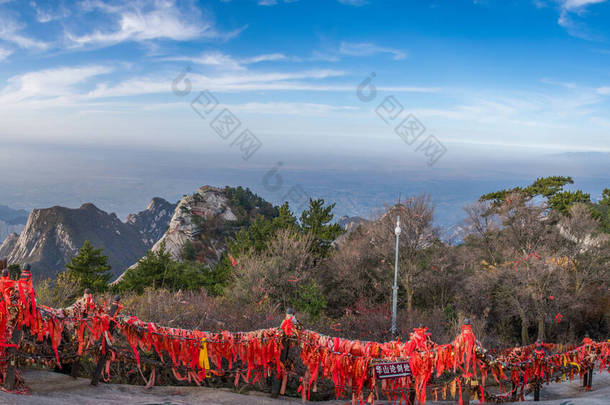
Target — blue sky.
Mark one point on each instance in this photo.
(529, 74)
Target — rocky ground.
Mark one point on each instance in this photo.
(57, 389)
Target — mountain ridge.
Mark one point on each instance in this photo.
(53, 235)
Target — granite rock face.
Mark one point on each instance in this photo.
(193, 213)
(205, 220)
(152, 222)
(53, 235)
(11, 221)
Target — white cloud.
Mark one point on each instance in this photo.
(246, 81)
(242, 82)
(47, 14)
(368, 49)
(228, 62)
(355, 3)
(5, 53)
(577, 4)
(216, 59)
(10, 32)
(604, 91)
(288, 108)
(159, 19)
(49, 84)
(566, 20)
(273, 2)
(267, 57)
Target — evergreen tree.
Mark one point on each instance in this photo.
(546, 187)
(14, 271)
(159, 270)
(285, 219)
(601, 210)
(317, 221)
(558, 200)
(188, 251)
(261, 231)
(605, 200)
(89, 268)
(255, 237)
(562, 201)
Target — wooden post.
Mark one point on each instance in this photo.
(276, 384)
(465, 391)
(75, 371)
(590, 379)
(514, 389)
(537, 391)
(585, 379)
(101, 362)
(411, 396)
(11, 368)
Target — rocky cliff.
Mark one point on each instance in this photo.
(196, 220)
(11, 221)
(152, 222)
(53, 235)
(203, 222)
(8, 244)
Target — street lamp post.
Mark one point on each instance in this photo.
(395, 288)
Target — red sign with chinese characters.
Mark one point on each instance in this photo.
(392, 370)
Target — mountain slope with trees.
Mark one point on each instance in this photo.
(533, 262)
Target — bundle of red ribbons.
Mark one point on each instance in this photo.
(256, 354)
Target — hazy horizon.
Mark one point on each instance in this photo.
(124, 180)
(355, 101)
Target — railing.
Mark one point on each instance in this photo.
(463, 368)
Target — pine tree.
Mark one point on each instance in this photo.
(605, 200)
(316, 220)
(90, 268)
(159, 270)
(285, 219)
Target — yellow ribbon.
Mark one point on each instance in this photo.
(204, 361)
(575, 365)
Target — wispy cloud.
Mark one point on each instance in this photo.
(274, 2)
(49, 84)
(355, 3)
(566, 17)
(579, 4)
(5, 53)
(144, 21)
(240, 81)
(228, 62)
(267, 57)
(368, 49)
(289, 108)
(604, 91)
(45, 14)
(10, 31)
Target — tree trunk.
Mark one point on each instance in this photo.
(541, 328)
(409, 293)
(524, 335)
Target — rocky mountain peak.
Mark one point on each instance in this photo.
(53, 235)
(152, 222)
(156, 204)
(192, 213)
(205, 219)
(89, 206)
(9, 243)
(11, 221)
